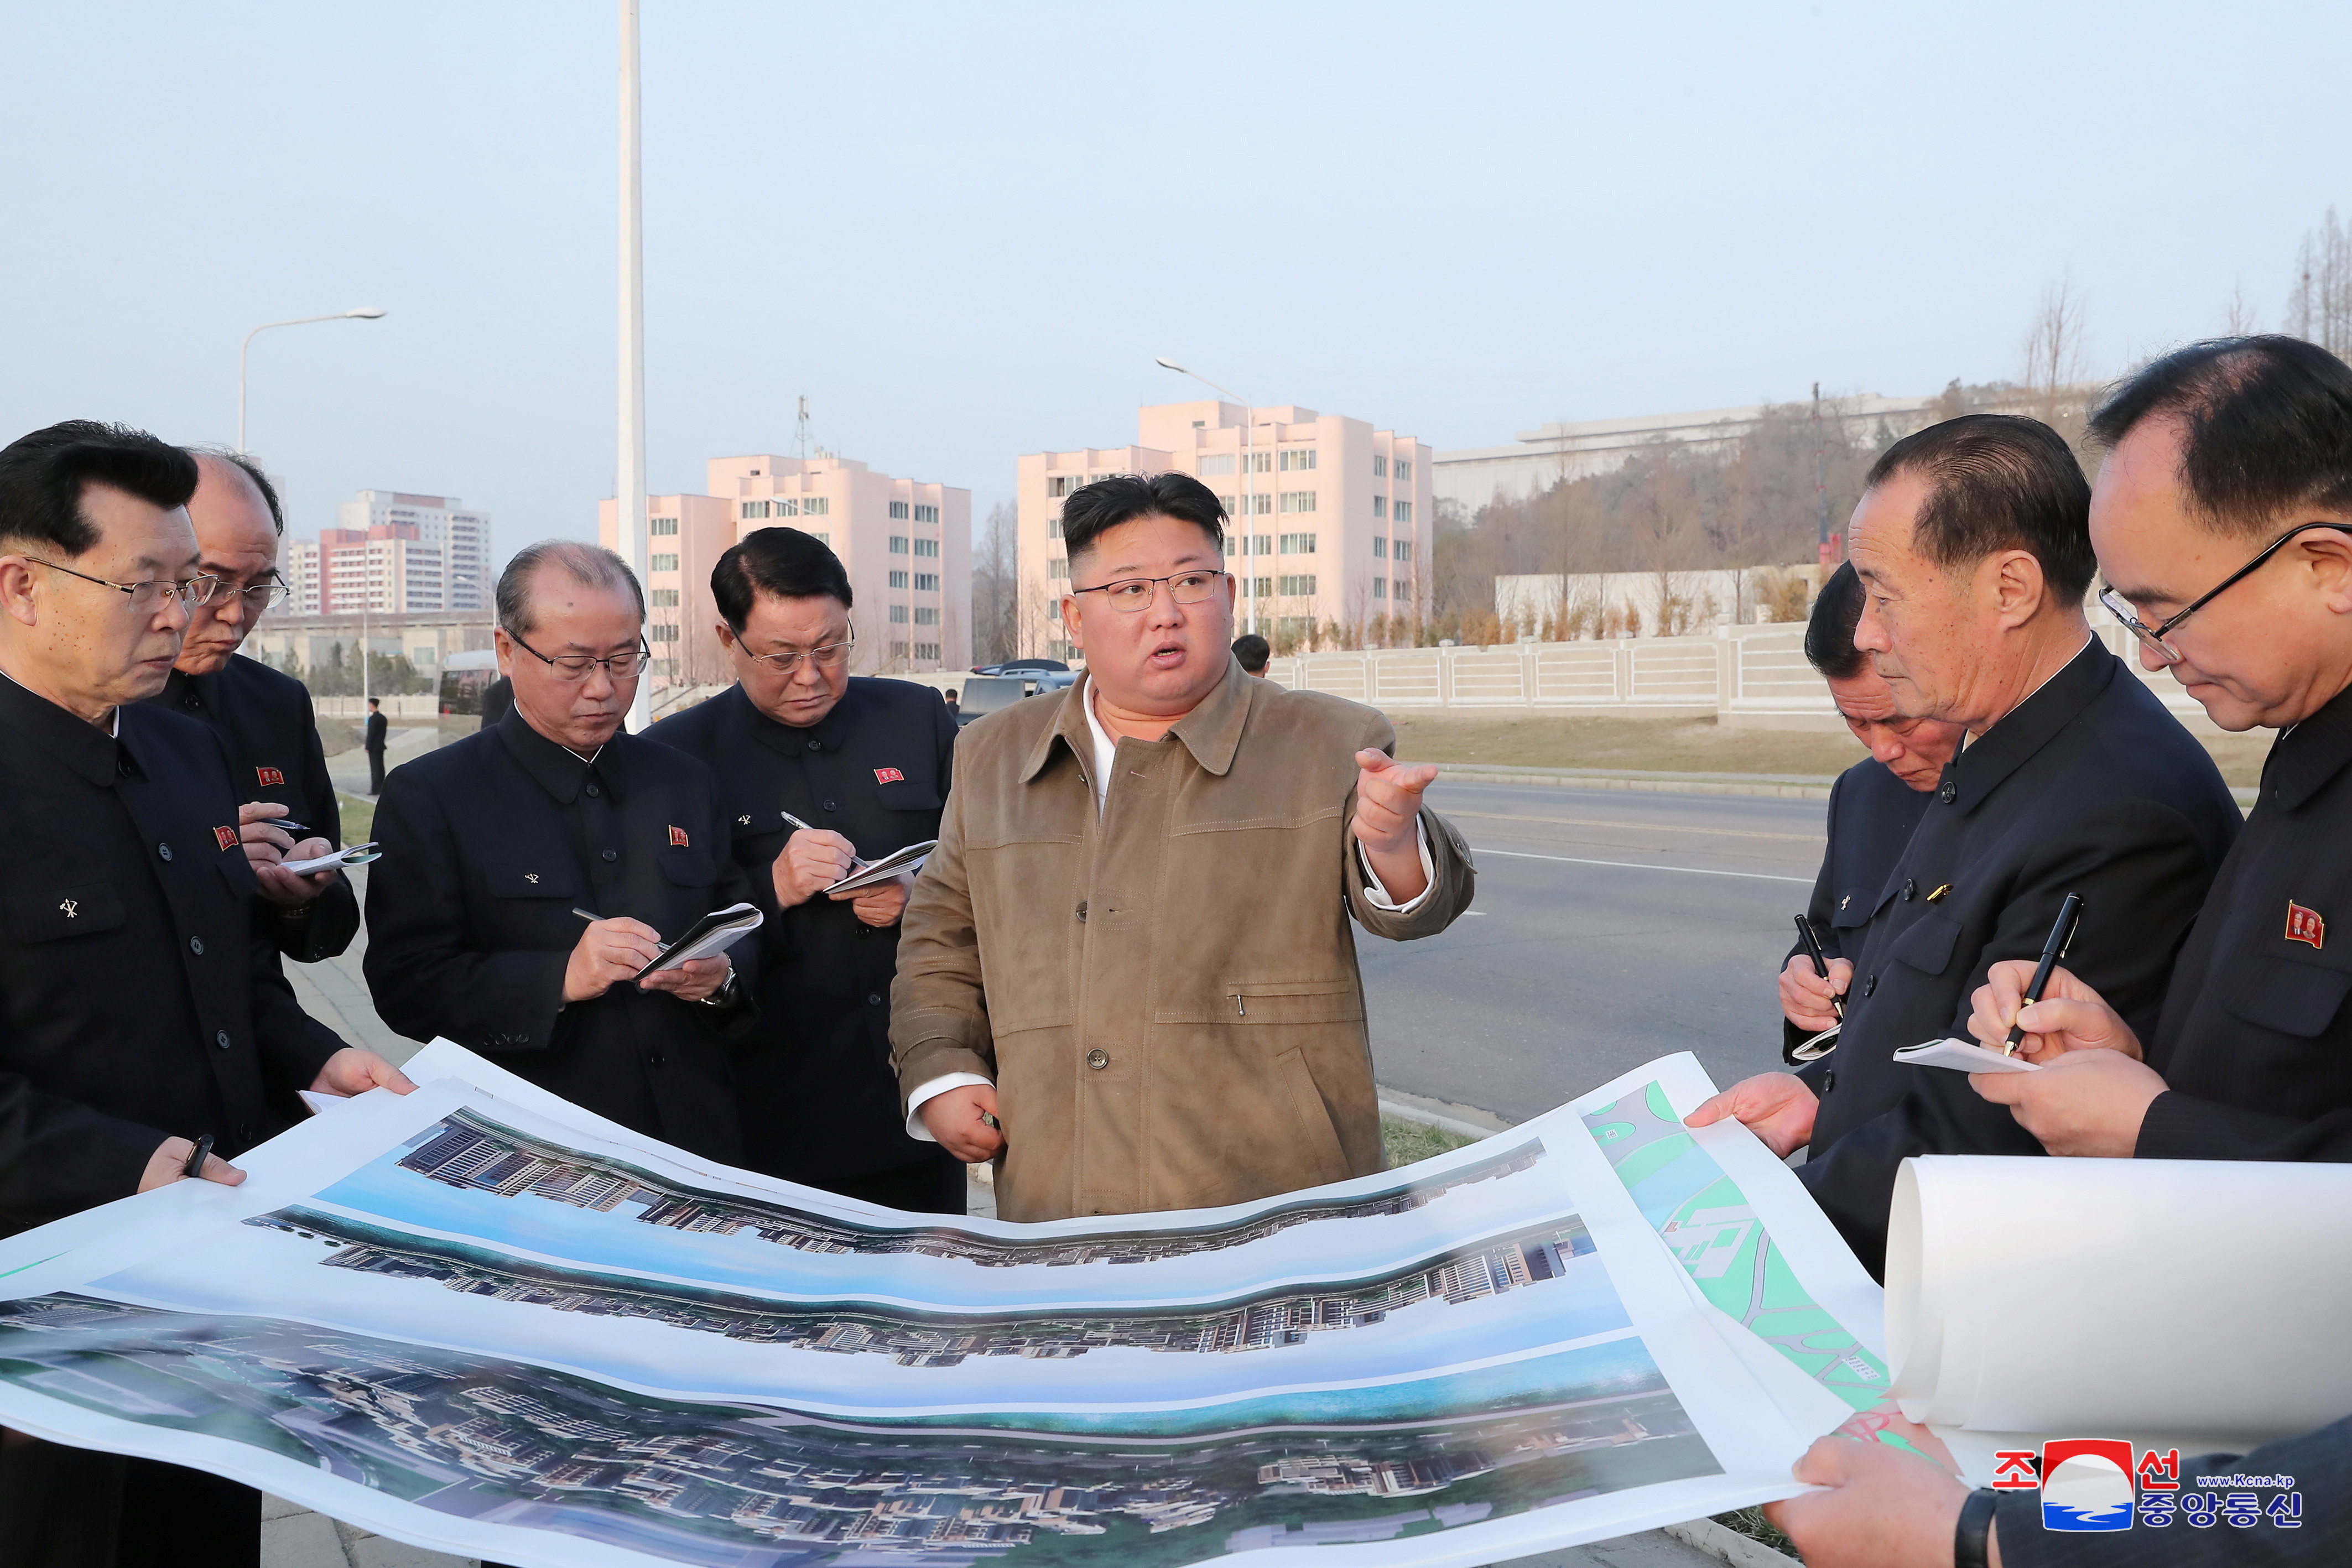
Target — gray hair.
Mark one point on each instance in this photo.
(590, 566)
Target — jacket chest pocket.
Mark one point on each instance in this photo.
(745, 830)
(81, 909)
(2287, 995)
(1927, 945)
(514, 878)
(1292, 1001)
(688, 868)
(911, 794)
(1855, 910)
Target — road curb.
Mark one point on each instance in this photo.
(1405, 1108)
(1651, 784)
(1727, 1546)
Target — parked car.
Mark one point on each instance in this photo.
(1019, 667)
(985, 695)
(464, 678)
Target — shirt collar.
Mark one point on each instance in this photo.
(2305, 758)
(81, 745)
(1979, 769)
(1212, 732)
(827, 733)
(559, 770)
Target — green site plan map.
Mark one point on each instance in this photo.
(1706, 1221)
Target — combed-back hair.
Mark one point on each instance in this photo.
(243, 463)
(43, 475)
(784, 562)
(1997, 482)
(2265, 426)
(1253, 651)
(1123, 497)
(1829, 631)
(590, 566)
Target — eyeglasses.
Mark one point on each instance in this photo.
(832, 656)
(2153, 637)
(577, 666)
(1134, 593)
(257, 596)
(143, 595)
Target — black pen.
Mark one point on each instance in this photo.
(1813, 941)
(2062, 937)
(197, 1156)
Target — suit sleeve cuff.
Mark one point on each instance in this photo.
(1376, 896)
(932, 1091)
(2180, 1126)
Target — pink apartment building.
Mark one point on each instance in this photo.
(906, 545)
(1330, 523)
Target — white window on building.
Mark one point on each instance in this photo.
(1404, 588)
(1215, 463)
(928, 651)
(927, 513)
(824, 539)
(1404, 549)
(1260, 544)
(1254, 505)
(662, 632)
(816, 505)
(755, 509)
(1058, 569)
(898, 544)
(1379, 588)
(662, 563)
(1299, 544)
(788, 508)
(1053, 527)
(898, 615)
(927, 548)
(897, 650)
(1299, 461)
(1258, 587)
(1258, 463)
(1380, 547)
(927, 582)
(1403, 510)
(1404, 471)
(897, 580)
(1298, 585)
(663, 598)
(1060, 484)
(926, 615)
(1379, 465)
(1379, 508)
(1298, 500)
(898, 511)
(1063, 650)
(1052, 610)
(662, 527)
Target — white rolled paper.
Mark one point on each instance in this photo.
(2098, 1297)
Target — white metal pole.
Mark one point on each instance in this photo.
(632, 500)
(245, 351)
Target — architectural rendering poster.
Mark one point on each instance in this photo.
(477, 1320)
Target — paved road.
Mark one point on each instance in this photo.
(1610, 927)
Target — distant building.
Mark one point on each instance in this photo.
(392, 553)
(905, 544)
(1329, 516)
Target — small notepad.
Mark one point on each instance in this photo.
(1963, 1056)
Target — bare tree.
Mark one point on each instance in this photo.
(2320, 308)
(996, 589)
(2240, 320)
(2053, 350)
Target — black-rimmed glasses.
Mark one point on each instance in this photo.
(2153, 637)
(193, 590)
(577, 666)
(830, 658)
(1134, 593)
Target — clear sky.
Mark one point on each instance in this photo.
(965, 232)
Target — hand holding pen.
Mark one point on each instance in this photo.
(814, 859)
(2061, 937)
(1812, 985)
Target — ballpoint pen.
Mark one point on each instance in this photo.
(2062, 937)
(1813, 941)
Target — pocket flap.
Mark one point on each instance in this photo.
(908, 794)
(550, 879)
(754, 824)
(2287, 996)
(1276, 1002)
(688, 868)
(80, 910)
(1927, 945)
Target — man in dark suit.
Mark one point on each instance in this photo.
(498, 701)
(264, 717)
(2227, 491)
(1873, 806)
(531, 870)
(137, 1011)
(1972, 543)
(866, 764)
(378, 730)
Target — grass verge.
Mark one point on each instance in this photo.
(1406, 1142)
(1751, 1523)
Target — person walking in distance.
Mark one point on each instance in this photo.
(378, 728)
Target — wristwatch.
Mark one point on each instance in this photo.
(1972, 1536)
(724, 996)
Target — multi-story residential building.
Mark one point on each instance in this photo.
(392, 553)
(905, 544)
(460, 533)
(1329, 516)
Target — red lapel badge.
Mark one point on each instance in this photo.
(888, 776)
(269, 776)
(678, 838)
(228, 837)
(2304, 924)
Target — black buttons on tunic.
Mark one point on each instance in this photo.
(1870, 985)
(873, 998)
(816, 746)
(220, 1038)
(832, 806)
(163, 850)
(1909, 889)
(612, 855)
(593, 792)
(1948, 792)
(654, 1058)
(196, 946)
(1098, 1059)
(1829, 1080)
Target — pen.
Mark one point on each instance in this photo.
(288, 824)
(197, 1156)
(1813, 941)
(585, 915)
(854, 862)
(2062, 937)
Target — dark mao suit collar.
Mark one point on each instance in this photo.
(827, 733)
(80, 744)
(556, 769)
(2305, 758)
(1982, 766)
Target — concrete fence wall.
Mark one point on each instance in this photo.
(1752, 675)
(425, 705)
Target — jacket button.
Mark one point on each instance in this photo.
(831, 807)
(612, 855)
(163, 850)
(220, 1038)
(1829, 1080)
(816, 746)
(523, 1039)
(1082, 911)
(1909, 888)
(1098, 1059)
(196, 946)
(873, 998)
(1870, 985)
(654, 1058)
(1948, 792)
(591, 791)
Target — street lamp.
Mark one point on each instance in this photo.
(1249, 481)
(363, 313)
